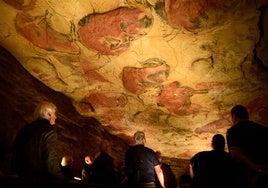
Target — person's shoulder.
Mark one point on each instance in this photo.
(132, 148)
(203, 153)
(40, 123)
(165, 165)
(220, 153)
(230, 129)
(258, 128)
(198, 154)
(195, 155)
(149, 149)
(262, 131)
(32, 126)
(237, 127)
(206, 154)
(261, 126)
(24, 128)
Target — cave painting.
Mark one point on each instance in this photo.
(116, 31)
(137, 80)
(144, 65)
(176, 98)
(21, 5)
(38, 31)
(194, 14)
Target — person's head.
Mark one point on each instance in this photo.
(239, 113)
(218, 142)
(67, 160)
(46, 110)
(159, 156)
(88, 160)
(139, 137)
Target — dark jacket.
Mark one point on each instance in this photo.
(212, 169)
(139, 164)
(103, 170)
(34, 152)
(86, 173)
(252, 140)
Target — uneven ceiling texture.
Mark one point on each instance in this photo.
(172, 68)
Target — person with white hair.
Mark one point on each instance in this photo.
(141, 164)
(34, 151)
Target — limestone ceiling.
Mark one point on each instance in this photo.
(170, 68)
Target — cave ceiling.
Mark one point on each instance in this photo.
(171, 68)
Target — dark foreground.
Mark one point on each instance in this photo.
(14, 182)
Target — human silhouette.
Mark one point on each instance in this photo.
(185, 179)
(169, 177)
(120, 172)
(103, 167)
(34, 151)
(141, 164)
(213, 168)
(87, 169)
(67, 166)
(247, 142)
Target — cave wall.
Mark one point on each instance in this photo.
(21, 92)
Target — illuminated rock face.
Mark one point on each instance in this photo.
(173, 69)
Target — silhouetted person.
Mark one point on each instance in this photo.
(185, 179)
(103, 171)
(214, 168)
(141, 164)
(169, 177)
(66, 167)
(34, 152)
(120, 172)
(87, 170)
(248, 143)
